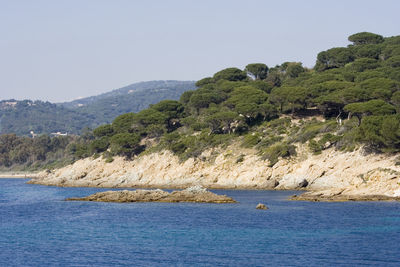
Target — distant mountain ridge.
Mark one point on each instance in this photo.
(21, 117)
(130, 89)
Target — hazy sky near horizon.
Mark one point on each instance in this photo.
(63, 50)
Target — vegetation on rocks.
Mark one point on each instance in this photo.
(350, 98)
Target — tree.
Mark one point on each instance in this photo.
(294, 69)
(125, 144)
(393, 62)
(294, 96)
(372, 107)
(258, 70)
(202, 98)
(150, 116)
(380, 87)
(246, 94)
(381, 132)
(363, 38)
(204, 81)
(395, 100)
(99, 145)
(221, 122)
(185, 97)
(362, 64)
(334, 58)
(262, 85)
(103, 130)
(230, 74)
(173, 110)
(170, 108)
(123, 123)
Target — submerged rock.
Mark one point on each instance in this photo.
(191, 194)
(261, 206)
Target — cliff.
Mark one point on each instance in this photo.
(332, 175)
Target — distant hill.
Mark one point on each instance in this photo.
(21, 117)
(131, 98)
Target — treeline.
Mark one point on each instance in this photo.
(356, 86)
(21, 117)
(350, 98)
(25, 153)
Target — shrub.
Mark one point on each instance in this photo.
(250, 140)
(274, 152)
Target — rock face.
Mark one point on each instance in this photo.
(157, 195)
(261, 206)
(350, 173)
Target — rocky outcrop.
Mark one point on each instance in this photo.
(332, 196)
(261, 206)
(351, 173)
(198, 195)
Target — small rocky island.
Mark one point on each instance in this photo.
(192, 194)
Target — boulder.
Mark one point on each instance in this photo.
(261, 206)
(303, 183)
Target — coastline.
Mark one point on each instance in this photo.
(331, 176)
(26, 175)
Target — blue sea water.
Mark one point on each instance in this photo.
(39, 228)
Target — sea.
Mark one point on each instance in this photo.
(39, 228)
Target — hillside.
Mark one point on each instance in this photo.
(21, 117)
(268, 118)
(132, 98)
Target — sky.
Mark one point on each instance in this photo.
(63, 50)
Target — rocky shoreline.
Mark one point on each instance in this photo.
(192, 194)
(355, 175)
(19, 174)
(318, 197)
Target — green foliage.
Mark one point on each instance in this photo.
(125, 144)
(99, 145)
(202, 98)
(326, 141)
(281, 106)
(368, 51)
(37, 153)
(185, 97)
(381, 132)
(204, 81)
(261, 85)
(258, 70)
(251, 140)
(222, 121)
(393, 62)
(372, 107)
(103, 130)
(149, 117)
(230, 74)
(274, 152)
(123, 123)
(294, 69)
(133, 98)
(334, 58)
(362, 64)
(363, 38)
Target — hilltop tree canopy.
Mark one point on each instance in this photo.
(363, 38)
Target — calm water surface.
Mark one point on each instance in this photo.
(38, 228)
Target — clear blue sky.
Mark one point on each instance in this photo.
(62, 50)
